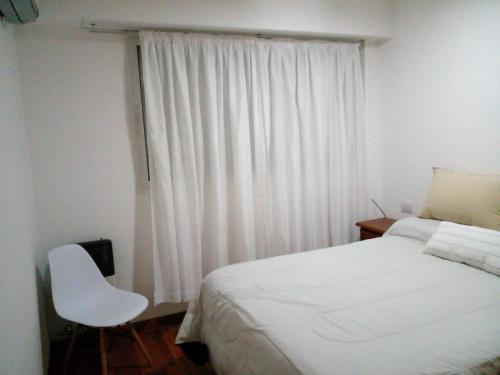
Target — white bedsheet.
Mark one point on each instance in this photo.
(371, 307)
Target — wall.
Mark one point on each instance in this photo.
(19, 319)
(349, 17)
(442, 94)
(85, 138)
(374, 114)
(87, 148)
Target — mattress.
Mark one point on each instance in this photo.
(373, 307)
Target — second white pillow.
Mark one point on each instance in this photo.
(474, 246)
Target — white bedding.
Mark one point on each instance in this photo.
(372, 307)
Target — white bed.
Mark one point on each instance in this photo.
(373, 307)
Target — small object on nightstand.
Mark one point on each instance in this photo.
(374, 228)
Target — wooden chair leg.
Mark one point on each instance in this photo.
(141, 344)
(104, 359)
(70, 349)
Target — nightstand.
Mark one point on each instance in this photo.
(373, 228)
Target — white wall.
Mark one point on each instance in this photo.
(20, 351)
(351, 17)
(87, 148)
(441, 73)
(374, 114)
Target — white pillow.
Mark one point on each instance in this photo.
(413, 227)
(477, 247)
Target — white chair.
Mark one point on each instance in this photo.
(82, 295)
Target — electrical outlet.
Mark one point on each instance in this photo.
(407, 207)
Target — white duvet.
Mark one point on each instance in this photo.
(373, 307)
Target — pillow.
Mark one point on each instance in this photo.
(464, 198)
(413, 227)
(477, 247)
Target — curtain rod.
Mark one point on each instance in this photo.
(117, 28)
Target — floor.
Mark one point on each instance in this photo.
(125, 356)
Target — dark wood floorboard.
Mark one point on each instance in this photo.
(125, 356)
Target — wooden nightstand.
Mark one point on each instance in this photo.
(373, 228)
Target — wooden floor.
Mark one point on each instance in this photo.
(125, 357)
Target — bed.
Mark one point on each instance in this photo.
(380, 306)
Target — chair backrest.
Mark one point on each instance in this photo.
(74, 276)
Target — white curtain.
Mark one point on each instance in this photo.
(256, 149)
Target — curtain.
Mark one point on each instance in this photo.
(256, 150)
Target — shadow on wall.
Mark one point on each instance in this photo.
(42, 316)
(56, 326)
(143, 273)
